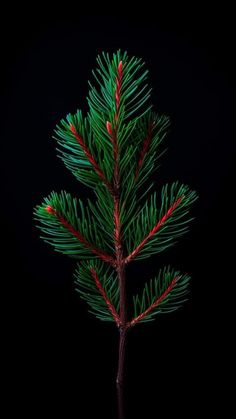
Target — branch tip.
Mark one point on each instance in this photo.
(73, 129)
(109, 128)
(49, 209)
(120, 68)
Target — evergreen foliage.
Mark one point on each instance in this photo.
(113, 150)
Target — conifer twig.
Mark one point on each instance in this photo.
(98, 252)
(135, 252)
(113, 150)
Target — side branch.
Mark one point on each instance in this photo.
(113, 138)
(135, 252)
(98, 252)
(90, 158)
(153, 305)
(105, 297)
(113, 133)
(144, 149)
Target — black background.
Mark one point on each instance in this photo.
(60, 358)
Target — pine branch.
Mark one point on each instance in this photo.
(155, 229)
(147, 138)
(98, 252)
(133, 94)
(114, 150)
(164, 294)
(90, 158)
(113, 129)
(105, 297)
(120, 267)
(97, 284)
(58, 217)
(154, 305)
(82, 154)
(145, 148)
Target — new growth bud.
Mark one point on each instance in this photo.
(109, 128)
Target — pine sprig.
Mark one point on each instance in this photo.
(133, 92)
(163, 294)
(78, 151)
(156, 228)
(150, 133)
(97, 284)
(70, 227)
(114, 149)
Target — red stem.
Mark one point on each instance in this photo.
(135, 252)
(144, 149)
(116, 197)
(98, 252)
(153, 305)
(120, 373)
(104, 295)
(120, 266)
(90, 158)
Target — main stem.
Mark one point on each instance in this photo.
(123, 332)
(120, 263)
(120, 267)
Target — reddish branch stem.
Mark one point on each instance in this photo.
(90, 157)
(153, 305)
(120, 373)
(105, 297)
(145, 148)
(98, 252)
(135, 252)
(120, 266)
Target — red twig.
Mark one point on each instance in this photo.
(113, 136)
(113, 132)
(117, 224)
(153, 305)
(145, 148)
(90, 158)
(153, 231)
(105, 297)
(109, 130)
(98, 252)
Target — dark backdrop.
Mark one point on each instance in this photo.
(60, 358)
